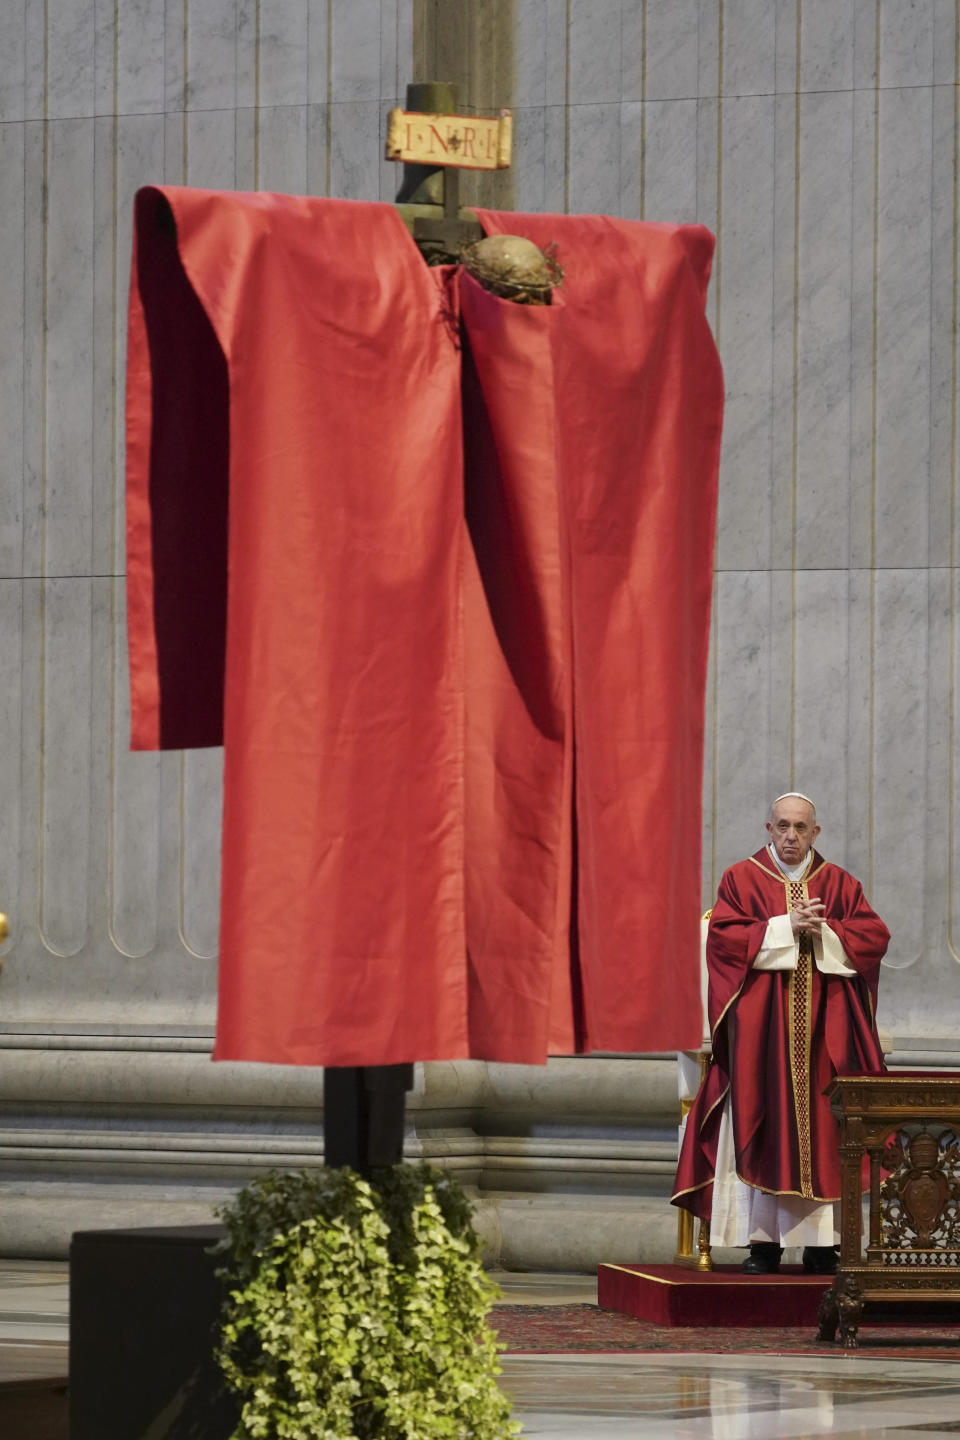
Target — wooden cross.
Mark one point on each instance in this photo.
(435, 144)
(364, 1105)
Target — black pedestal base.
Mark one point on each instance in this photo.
(144, 1305)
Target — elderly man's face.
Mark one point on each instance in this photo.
(792, 829)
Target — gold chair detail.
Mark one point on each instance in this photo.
(692, 1066)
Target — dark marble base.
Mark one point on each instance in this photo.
(143, 1312)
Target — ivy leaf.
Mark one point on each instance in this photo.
(358, 1310)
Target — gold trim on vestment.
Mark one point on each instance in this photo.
(691, 1189)
(719, 1101)
(779, 875)
(772, 873)
(765, 1190)
(800, 1025)
(726, 1007)
(808, 1059)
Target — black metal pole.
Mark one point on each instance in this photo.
(364, 1105)
(363, 1115)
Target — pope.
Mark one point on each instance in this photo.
(793, 957)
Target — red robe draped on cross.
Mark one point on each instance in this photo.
(435, 568)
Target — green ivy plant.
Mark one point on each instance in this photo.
(358, 1310)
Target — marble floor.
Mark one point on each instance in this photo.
(33, 1319)
(606, 1397)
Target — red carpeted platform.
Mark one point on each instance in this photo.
(676, 1295)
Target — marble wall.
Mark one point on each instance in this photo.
(109, 861)
(818, 138)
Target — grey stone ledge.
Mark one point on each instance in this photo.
(565, 1089)
(520, 1232)
(121, 1153)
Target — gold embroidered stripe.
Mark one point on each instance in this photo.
(800, 1001)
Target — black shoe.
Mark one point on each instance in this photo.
(820, 1260)
(764, 1258)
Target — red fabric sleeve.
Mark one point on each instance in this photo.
(177, 496)
(734, 939)
(860, 930)
(342, 917)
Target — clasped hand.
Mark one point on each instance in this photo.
(807, 915)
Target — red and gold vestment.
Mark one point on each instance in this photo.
(780, 1036)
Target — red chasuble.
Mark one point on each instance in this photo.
(779, 1037)
(435, 568)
